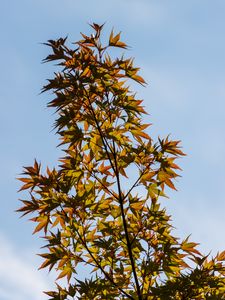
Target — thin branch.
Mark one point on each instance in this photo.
(100, 267)
(99, 181)
(136, 182)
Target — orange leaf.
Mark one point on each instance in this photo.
(170, 184)
(138, 79)
(41, 225)
(221, 256)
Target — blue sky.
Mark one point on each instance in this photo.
(180, 47)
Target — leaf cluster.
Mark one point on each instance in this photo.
(90, 214)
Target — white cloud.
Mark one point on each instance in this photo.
(18, 276)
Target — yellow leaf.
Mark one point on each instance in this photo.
(147, 176)
(66, 272)
(137, 205)
(86, 72)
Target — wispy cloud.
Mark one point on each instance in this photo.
(18, 277)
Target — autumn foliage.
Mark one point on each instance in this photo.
(99, 210)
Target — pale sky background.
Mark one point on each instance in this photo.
(180, 47)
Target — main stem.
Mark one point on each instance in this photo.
(121, 199)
